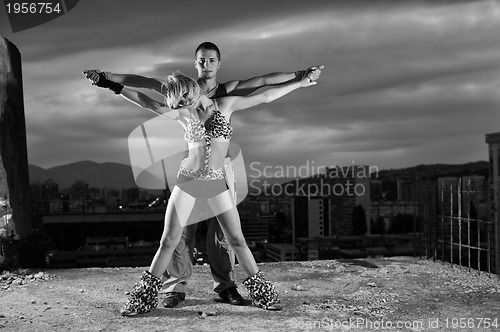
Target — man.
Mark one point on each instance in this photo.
(207, 63)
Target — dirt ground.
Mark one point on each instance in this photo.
(383, 294)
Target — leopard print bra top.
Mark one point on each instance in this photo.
(219, 127)
(195, 131)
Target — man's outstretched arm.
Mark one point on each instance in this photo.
(129, 80)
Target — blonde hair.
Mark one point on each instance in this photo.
(181, 91)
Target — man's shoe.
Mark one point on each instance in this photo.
(173, 299)
(232, 296)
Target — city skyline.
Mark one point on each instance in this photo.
(404, 83)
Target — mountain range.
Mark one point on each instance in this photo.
(116, 175)
(98, 175)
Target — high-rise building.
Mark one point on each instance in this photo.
(254, 227)
(348, 190)
(310, 222)
(275, 214)
(350, 196)
(311, 217)
(50, 190)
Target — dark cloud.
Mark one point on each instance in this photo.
(405, 82)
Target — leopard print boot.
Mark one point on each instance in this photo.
(262, 292)
(144, 296)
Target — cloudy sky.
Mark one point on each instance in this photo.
(405, 82)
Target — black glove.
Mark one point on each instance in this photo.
(103, 82)
(299, 75)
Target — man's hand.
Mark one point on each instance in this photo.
(100, 79)
(310, 76)
(94, 75)
(313, 72)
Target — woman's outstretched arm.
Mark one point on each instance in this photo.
(246, 87)
(144, 101)
(138, 98)
(232, 104)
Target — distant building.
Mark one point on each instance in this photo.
(311, 220)
(56, 206)
(272, 204)
(319, 248)
(50, 190)
(280, 252)
(348, 207)
(79, 197)
(36, 191)
(392, 208)
(133, 195)
(477, 183)
(42, 194)
(113, 198)
(477, 200)
(384, 209)
(448, 195)
(79, 190)
(275, 212)
(311, 217)
(493, 141)
(68, 230)
(473, 196)
(376, 190)
(406, 190)
(351, 189)
(254, 227)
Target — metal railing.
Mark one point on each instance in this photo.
(457, 226)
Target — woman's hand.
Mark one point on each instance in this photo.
(306, 81)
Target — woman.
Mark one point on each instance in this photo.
(201, 178)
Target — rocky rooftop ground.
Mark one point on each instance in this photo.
(382, 294)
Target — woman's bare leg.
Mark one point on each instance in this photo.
(223, 206)
(182, 209)
(262, 292)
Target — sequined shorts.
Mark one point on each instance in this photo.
(205, 173)
(205, 184)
